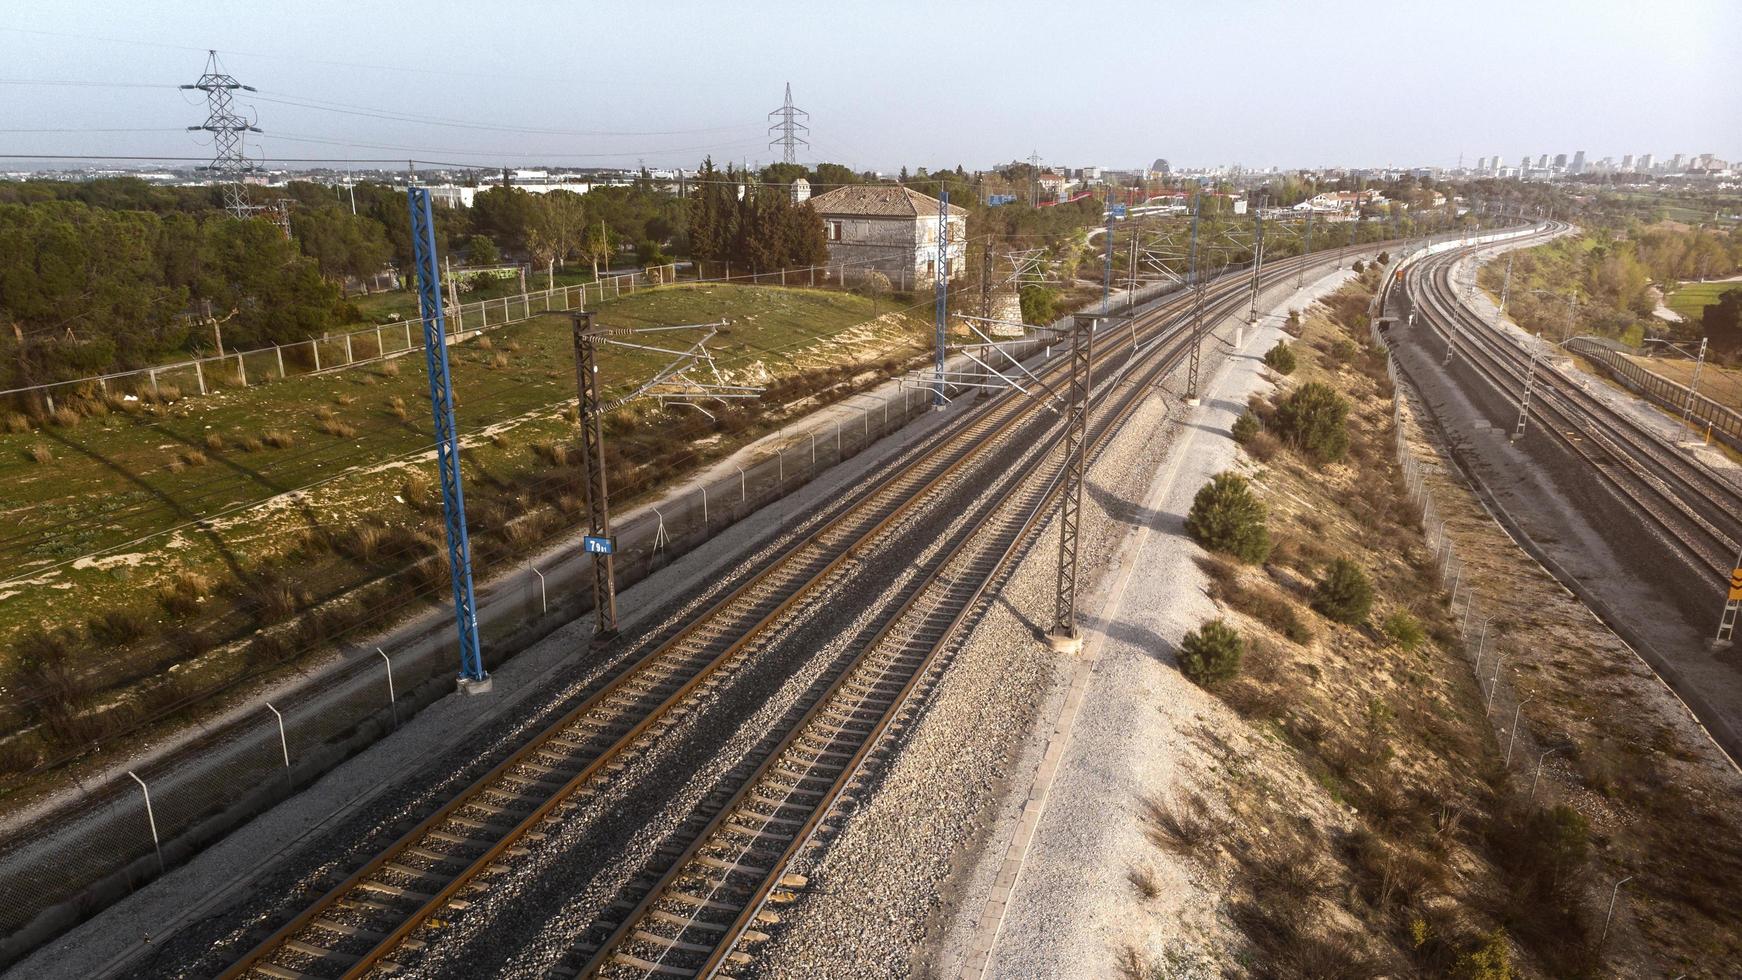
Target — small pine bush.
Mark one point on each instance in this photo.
(1211, 653)
(1358, 267)
(1315, 420)
(1227, 517)
(1245, 427)
(1280, 358)
(1405, 630)
(1344, 595)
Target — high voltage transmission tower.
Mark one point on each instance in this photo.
(787, 129)
(229, 159)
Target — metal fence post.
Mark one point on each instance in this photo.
(704, 507)
(151, 819)
(743, 488)
(1613, 892)
(283, 741)
(780, 461)
(279, 351)
(543, 601)
(200, 375)
(241, 371)
(316, 347)
(392, 698)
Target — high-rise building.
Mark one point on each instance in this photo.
(1579, 162)
(1675, 164)
(1542, 162)
(1627, 162)
(1646, 161)
(1481, 164)
(1560, 161)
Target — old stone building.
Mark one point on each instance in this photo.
(892, 230)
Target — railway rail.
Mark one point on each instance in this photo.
(1694, 507)
(358, 925)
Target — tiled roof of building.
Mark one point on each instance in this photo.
(879, 200)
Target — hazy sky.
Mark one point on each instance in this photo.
(1258, 82)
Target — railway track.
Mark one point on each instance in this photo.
(359, 924)
(688, 921)
(1694, 508)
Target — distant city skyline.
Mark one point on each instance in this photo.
(887, 85)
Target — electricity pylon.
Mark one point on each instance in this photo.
(787, 129)
(229, 159)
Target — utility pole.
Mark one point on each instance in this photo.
(943, 287)
(1034, 179)
(1693, 382)
(1300, 274)
(1505, 289)
(229, 155)
(473, 679)
(1732, 603)
(1131, 275)
(1257, 263)
(1076, 434)
(1107, 267)
(598, 541)
(1524, 399)
(1197, 343)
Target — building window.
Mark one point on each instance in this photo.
(834, 231)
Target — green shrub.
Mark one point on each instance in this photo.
(1211, 653)
(1383, 258)
(1038, 305)
(1344, 595)
(1405, 630)
(1492, 960)
(1280, 358)
(1358, 267)
(1227, 517)
(1245, 427)
(1315, 420)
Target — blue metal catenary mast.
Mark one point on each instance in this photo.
(943, 291)
(441, 399)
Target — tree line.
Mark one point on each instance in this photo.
(112, 274)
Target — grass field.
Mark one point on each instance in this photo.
(111, 512)
(1690, 299)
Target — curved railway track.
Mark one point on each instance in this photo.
(357, 925)
(1696, 509)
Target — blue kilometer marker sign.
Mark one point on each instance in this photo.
(598, 546)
